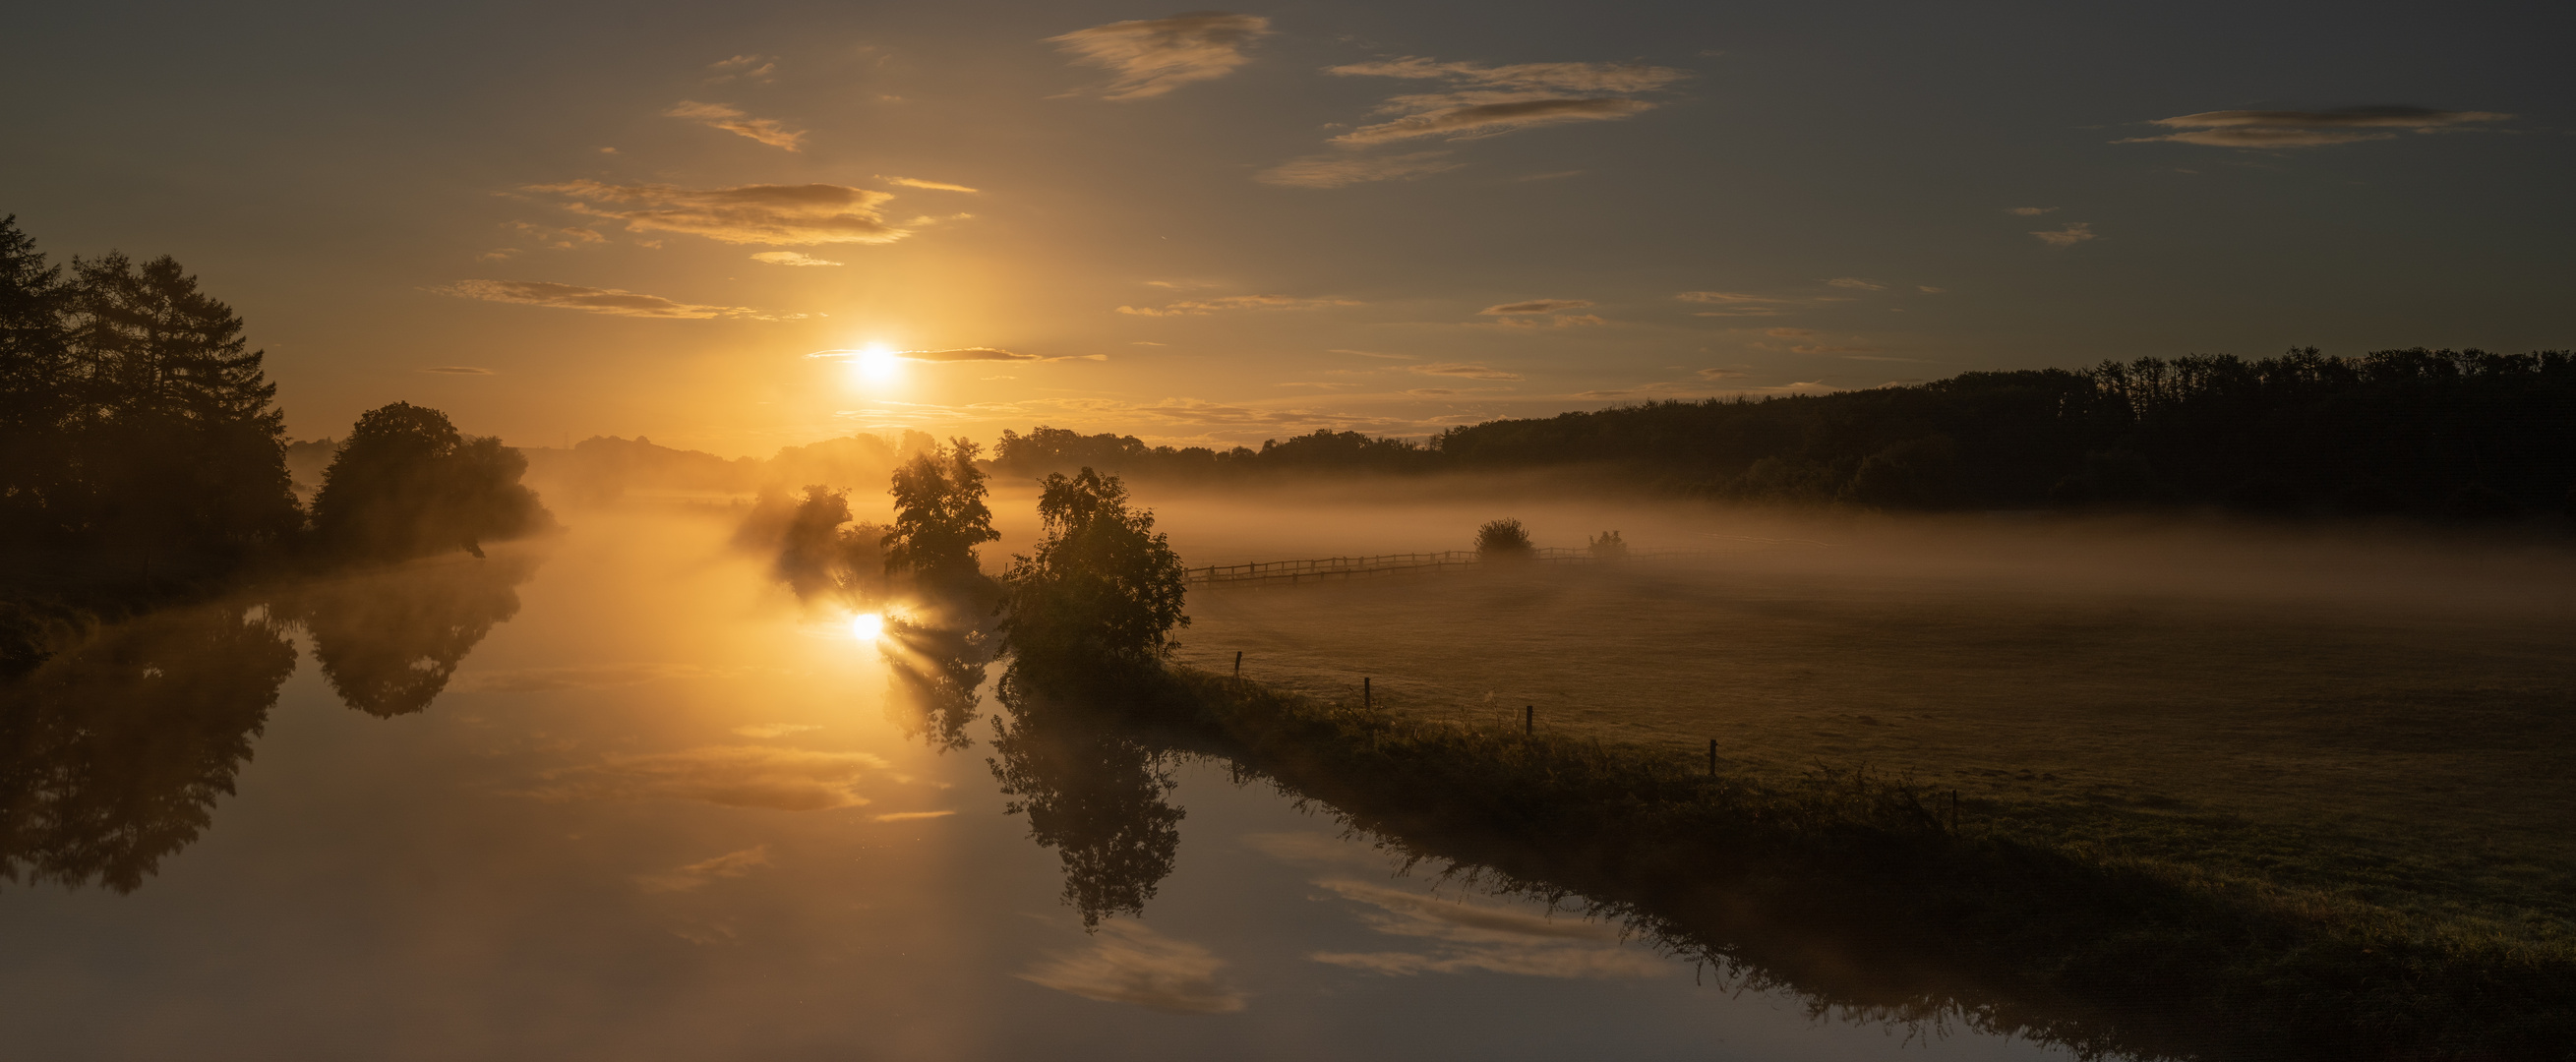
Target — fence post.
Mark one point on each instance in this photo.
(1712, 758)
(1238, 663)
(1529, 720)
(1365, 701)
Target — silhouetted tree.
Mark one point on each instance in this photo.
(406, 484)
(1093, 793)
(1102, 592)
(113, 755)
(38, 390)
(940, 515)
(389, 640)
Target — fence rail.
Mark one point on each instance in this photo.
(1456, 560)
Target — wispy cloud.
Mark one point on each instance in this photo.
(1373, 354)
(1129, 963)
(910, 816)
(1855, 284)
(741, 776)
(959, 354)
(1535, 306)
(1199, 307)
(610, 301)
(792, 258)
(1150, 57)
(745, 67)
(935, 186)
(2030, 212)
(2074, 233)
(553, 238)
(696, 875)
(458, 370)
(733, 120)
(772, 214)
(1486, 100)
(1466, 369)
(2288, 129)
(1335, 171)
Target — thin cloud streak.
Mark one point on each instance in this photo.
(1489, 119)
(774, 214)
(1336, 171)
(1201, 307)
(612, 301)
(1154, 56)
(2288, 129)
(733, 120)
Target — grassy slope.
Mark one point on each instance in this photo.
(1862, 895)
(2412, 754)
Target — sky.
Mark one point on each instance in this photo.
(743, 226)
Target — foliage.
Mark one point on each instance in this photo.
(1103, 591)
(940, 515)
(407, 484)
(1503, 539)
(389, 640)
(136, 417)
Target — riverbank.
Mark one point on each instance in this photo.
(1866, 893)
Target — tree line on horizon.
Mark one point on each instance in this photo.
(147, 457)
(2440, 434)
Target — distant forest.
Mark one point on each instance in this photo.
(2441, 434)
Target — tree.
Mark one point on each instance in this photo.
(940, 515)
(1103, 590)
(36, 378)
(181, 441)
(407, 484)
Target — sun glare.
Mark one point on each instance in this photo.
(876, 363)
(867, 626)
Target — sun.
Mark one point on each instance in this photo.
(875, 363)
(867, 626)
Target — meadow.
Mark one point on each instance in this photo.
(2366, 713)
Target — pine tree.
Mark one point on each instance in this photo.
(36, 379)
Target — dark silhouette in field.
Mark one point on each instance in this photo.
(1093, 792)
(113, 755)
(407, 484)
(388, 640)
(1504, 540)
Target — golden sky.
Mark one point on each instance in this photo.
(682, 221)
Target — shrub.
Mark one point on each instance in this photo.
(940, 515)
(1503, 539)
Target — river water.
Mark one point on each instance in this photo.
(615, 796)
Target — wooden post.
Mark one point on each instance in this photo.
(1529, 719)
(1238, 663)
(1954, 811)
(1712, 757)
(1365, 700)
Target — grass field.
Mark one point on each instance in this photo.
(2391, 720)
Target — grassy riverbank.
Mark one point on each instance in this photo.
(1859, 891)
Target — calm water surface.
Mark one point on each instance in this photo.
(619, 798)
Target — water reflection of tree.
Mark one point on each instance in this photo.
(388, 641)
(1092, 793)
(113, 755)
(933, 673)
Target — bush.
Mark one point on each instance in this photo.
(940, 515)
(1503, 539)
